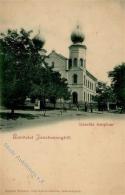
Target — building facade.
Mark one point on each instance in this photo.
(81, 82)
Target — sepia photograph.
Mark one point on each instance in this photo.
(61, 68)
(62, 97)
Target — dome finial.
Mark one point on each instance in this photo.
(77, 26)
(39, 30)
(77, 36)
(38, 39)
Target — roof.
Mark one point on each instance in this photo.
(78, 45)
(60, 55)
(90, 75)
(63, 57)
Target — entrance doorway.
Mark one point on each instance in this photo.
(75, 97)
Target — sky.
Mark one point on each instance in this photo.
(102, 22)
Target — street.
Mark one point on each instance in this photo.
(35, 118)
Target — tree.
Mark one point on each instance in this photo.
(59, 88)
(104, 96)
(24, 71)
(48, 84)
(117, 76)
(19, 59)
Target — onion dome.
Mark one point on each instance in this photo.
(39, 41)
(77, 36)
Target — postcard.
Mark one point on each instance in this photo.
(62, 104)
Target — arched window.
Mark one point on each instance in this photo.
(88, 83)
(95, 87)
(74, 97)
(92, 86)
(53, 64)
(88, 97)
(75, 77)
(81, 62)
(70, 63)
(84, 80)
(84, 96)
(91, 97)
(75, 62)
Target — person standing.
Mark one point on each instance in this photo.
(86, 107)
(91, 107)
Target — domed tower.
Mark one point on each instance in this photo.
(77, 51)
(39, 42)
(77, 65)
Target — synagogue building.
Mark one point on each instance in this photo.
(81, 82)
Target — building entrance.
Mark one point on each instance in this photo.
(75, 97)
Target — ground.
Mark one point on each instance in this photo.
(91, 161)
(34, 118)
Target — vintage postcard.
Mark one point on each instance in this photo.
(62, 97)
